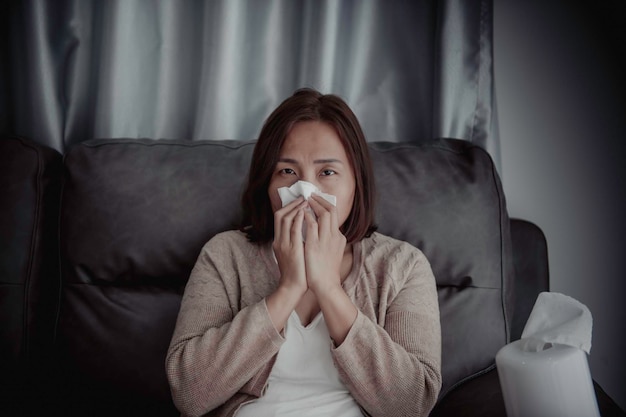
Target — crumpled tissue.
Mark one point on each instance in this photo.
(305, 189)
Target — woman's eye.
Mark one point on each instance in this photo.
(287, 171)
(328, 172)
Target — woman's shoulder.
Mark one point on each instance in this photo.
(379, 245)
(228, 237)
(232, 249)
(394, 259)
(228, 241)
(383, 252)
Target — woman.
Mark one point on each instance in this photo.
(344, 323)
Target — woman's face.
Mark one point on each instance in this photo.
(313, 152)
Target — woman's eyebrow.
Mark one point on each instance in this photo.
(287, 160)
(327, 161)
(317, 161)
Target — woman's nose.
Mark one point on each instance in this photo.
(310, 179)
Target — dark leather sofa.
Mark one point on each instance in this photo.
(97, 245)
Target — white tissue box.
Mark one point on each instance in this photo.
(551, 382)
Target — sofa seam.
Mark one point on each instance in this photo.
(57, 317)
(31, 254)
(501, 212)
(503, 254)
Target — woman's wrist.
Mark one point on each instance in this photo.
(282, 302)
(291, 290)
(326, 288)
(339, 312)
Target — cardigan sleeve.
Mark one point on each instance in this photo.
(395, 369)
(215, 351)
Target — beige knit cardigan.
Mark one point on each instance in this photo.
(224, 343)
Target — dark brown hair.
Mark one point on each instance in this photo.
(308, 105)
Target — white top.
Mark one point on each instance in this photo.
(304, 382)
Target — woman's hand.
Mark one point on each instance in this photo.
(324, 248)
(289, 251)
(324, 251)
(289, 247)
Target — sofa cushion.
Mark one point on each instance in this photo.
(135, 214)
(445, 198)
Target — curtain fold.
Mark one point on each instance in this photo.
(73, 70)
(465, 99)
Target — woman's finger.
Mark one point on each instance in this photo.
(279, 217)
(287, 225)
(296, 227)
(312, 232)
(326, 212)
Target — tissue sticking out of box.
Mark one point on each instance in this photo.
(305, 189)
(558, 319)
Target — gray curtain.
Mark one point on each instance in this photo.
(73, 70)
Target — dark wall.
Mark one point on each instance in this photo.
(561, 92)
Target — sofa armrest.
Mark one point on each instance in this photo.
(480, 396)
(530, 261)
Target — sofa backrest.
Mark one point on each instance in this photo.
(135, 214)
(446, 199)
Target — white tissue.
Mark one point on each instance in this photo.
(558, 319)
(305, 189)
